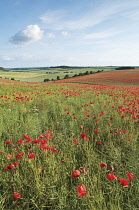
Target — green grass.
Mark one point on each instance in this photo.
(65, 112)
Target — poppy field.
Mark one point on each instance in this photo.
(126, 77)
(68, 146)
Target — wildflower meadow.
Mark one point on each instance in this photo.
(69, 147)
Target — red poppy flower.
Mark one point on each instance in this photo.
(26, 137)
(108, 123)
(55, 151)
(81, 188)
(16, 163)
(44, 147)
(75, 141)
(21, 153)
(9, 156)
(42, 136)
(31, 156)
(44, 142)
(111, 177)
(101, 114)
(84, 169)
(75, 174)
(20, 141)
(124, 182)
(99, 142)
(130, 175)
(111, 118)
(18, 156)
(103, 165)
(8, 167)
(36, 141)
(83, 135)
(96, 131)
(8, 142)
(17, 195)
(47, 136)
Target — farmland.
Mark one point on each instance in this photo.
(122, 77)
(69, 146)
(98, 75)
(38, 75)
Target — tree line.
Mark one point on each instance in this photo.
(75, 75)
(125, 67)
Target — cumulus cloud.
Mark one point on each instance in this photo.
(30, 34)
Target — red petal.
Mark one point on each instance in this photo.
(81, 194)
(81, 188)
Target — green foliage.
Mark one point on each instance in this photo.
(2, 69)
(125, 67)
(86, 73)
(66, 76)
(58, 77)
(46, 80)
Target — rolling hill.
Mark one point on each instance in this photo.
(118, 77)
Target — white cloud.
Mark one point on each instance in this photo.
(30, 34)
(101, 35)
(133, 15)
(63, 20)
(17, 57)
(59, 20)
(51, 35)
(64, 33)
(7, 58)
(52, 16)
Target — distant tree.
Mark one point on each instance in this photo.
(12, 78)
(86, 73)
(58, 77)
(46, 80)
(81, 74)
(91, 72)
(75, 75)
(125, 67)
(66, 76)
(2, 69)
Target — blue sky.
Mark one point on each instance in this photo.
(69, 32)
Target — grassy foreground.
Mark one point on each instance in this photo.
(67, 147)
